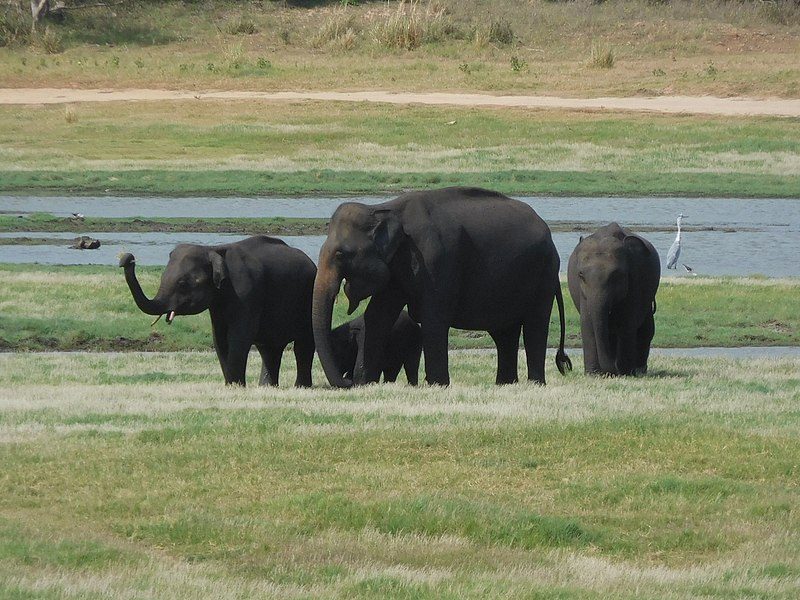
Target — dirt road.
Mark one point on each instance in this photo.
(662, 104)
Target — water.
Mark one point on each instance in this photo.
(766, 240)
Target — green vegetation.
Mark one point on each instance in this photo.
(90, 308)
(44, 222)
(123, 474)
(295, 148)
(658, 47)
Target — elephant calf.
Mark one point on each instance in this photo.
(258, 291)
(403, 348)
(613, 277)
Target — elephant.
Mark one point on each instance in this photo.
(403, 348)
(257, 291)
(457, 257)
(613, 278)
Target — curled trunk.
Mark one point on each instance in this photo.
(147, 306)
(326, 287)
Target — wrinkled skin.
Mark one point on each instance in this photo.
(613, 278)
(258, 291)
(457, 257)
(403, 348)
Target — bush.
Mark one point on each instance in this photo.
(340, 29)
(500, 32)
(14, 28)
(601, 58)
(49, 40)
(409, 27)
(241, 26)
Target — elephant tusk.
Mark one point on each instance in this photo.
(170, 317)
(155, 320)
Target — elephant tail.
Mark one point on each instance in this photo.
(563, 363)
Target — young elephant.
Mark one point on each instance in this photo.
(258, 291)
(403, 348)
(613, 278)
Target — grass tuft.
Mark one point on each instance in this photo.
(601, 57)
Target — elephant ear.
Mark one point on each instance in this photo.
(635, 245)
(218, 269)
(388, 234)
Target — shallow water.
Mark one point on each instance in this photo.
(766, 240)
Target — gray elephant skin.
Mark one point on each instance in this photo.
(457, 257)
(613, 278)
(403, 348)
(258, 291)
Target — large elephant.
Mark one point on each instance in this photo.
(458, 257)
(402, 351)
(258, 291)
(613, 278)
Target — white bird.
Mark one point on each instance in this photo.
(78, 216)
(675, 249)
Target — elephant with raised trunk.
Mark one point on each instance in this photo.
(258, 291)
(457, 257)
(402, 351)
(613, 279)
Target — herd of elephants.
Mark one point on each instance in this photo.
(455, 257)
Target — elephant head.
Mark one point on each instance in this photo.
(192, 277)
(603, 278)
(361, 243)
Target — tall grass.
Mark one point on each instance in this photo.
(409, 26)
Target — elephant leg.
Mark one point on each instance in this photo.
(239, 342)
(270, 364)
(534, 331)
(381, 313)
(411, 366)
(644, 337)
(625, 344)
(507, 342)
(219, 332)
(434, 345)
(304, 358)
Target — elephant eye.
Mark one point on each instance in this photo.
(580, 276)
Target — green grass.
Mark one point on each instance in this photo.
(90, 308)
(124, 473)
(45, 222)
(295, 148)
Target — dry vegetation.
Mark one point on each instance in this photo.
(682, 46)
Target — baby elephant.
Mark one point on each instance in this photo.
(258, 291)
(613, 277)
(403, 348)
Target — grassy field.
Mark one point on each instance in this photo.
(90, 308)
(142, 476)
(582, 48)
(261, 149)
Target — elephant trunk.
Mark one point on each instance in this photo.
(326, 287)
(147, 306)
(601, 315)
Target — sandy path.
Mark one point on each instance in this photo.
(708, 105)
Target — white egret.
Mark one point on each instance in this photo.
(675, 249)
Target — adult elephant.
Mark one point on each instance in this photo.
(403, 348)
(458, 257)
(258, 291)
(613, 278)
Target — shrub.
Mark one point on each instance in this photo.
(601, 57)
(70, 116)
(409, 27)
(500, 32)
(241, 26)
(14, 29)
(49, 40)
(340, 29)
